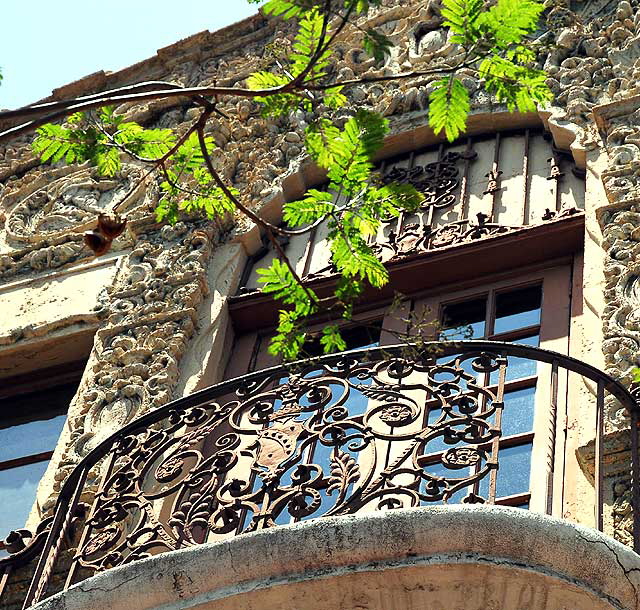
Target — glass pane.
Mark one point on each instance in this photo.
(518, 309)
(517, 416)
(513, 474)
(18, 491)
(30, 438)
(464, 320)
(523, 367)
(518, 368)
(356, 337)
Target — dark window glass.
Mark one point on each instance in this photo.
(356, 337)
(518, 309)
(513, 474)
(518, 368)
(464, 320)
(30, 425)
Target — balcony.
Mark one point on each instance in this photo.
(428, 432)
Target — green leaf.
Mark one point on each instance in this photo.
(274, 104)
(331, 340)
(354, 258)
(306, 44)
(348, 289)
(519, 87)
(510, 20)
(214, 203)
(167, 211)
(347, 153)
(108, 161)
(286, 8)
(280, 282)
(289, 337)
(189, 155)
(462, 18)
(316, 205)
(449, 107)
(377, 44)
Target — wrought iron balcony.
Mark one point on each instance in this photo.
(371, 429)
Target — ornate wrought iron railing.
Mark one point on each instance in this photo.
(364, 430)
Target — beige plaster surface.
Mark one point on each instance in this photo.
(39, 306)
(55, 296)
(418, 587)
(458, 558)
(205, 361)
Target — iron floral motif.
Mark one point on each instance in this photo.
(436, 181)
(414, 238)
(312, 443)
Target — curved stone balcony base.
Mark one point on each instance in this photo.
(438, 558)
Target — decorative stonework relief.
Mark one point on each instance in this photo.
(622, 515)
(153, 306)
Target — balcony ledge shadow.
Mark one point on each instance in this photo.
(461, 557)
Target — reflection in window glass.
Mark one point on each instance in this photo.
(464, 320)
(523, 367)
(30, 438)
(518, 368)
(517, 416)
(356, 337)
(18, 489)
(513, 474)
(518, 309)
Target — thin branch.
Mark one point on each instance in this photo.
(129, 94)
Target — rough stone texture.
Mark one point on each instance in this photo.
(458, 558)
(153, 308)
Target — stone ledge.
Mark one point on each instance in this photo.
(465, 557)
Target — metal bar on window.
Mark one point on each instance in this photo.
(26, 460)
(495, 445)
(494, 176)
(525, 173)
(6, 572)
(599, 475)
(553, 410)
(464, 186)
(61, 520)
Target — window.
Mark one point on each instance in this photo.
(532, 311)
(30, 425)
(503, 315)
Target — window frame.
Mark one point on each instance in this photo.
(547, 449)
(26, 387)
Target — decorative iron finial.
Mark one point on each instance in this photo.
(554, 169)
(492, 185)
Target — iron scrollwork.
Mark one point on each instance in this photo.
(436, 181)
(416, 238)
(336, 438)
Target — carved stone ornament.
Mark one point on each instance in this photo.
(153, 309)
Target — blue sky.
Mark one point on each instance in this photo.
(47, 43)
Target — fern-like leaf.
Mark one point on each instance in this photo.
(449, 107)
